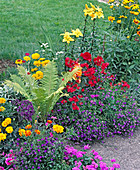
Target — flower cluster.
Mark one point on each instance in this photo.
(58, 128)
(8, 129)
(128, 19)
(81, 160)
(24, 108)
(33, 60)
(93, 12)
(67, 35)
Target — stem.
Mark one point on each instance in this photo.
(103, 45)
(65, 55)
(83, 40)
(93, 35)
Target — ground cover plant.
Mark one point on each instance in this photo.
(71, 95)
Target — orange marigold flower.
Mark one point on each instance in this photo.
(37, 132)
(28, 126)
(138, 32)
(27, 133)
(49, 121)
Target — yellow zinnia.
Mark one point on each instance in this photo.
(2, 109)
(37, 63)
(4, 124)
(35, 56)
(8, 120)
(2, 100)
(57, 128)
(45, 62)
(27, 58)
(39, 75)
(9, 129)
(18, 61)
(2, 136)
(21, 132)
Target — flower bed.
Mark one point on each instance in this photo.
(79, 99)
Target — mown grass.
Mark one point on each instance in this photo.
(21, 22)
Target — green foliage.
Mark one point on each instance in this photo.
(47, 92)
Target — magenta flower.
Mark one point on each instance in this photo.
(113, 160)
(1, 168)
(116, 166)
(86, 147)
(75, 168)
(54, 117)
(9, 161)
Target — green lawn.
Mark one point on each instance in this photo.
(21, 21)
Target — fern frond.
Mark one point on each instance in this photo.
(28, 79)
(17, 88)
(68, 77)
(50, 78)
(18, 80)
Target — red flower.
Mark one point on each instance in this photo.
(74, 106)
(27, 54)
(98, 61)
(23, 61)
(63, 79)
(69, 62)
(63, 101)
(81, 103)
(28, 73)
(80, 96)
(84, 65)
(49, 121)
(104, 66)
(82, 90)
(86, 56)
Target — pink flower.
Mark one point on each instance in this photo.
(11, 169)
(113, 160)
(51, 134)
(27, 54)
(21, 149)
(1, 168)
(75, 168)
(54, 117)
(46, 124)
(9, 161)
(116, 166)
(86, 147)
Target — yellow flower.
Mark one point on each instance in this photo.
(138, 27)
(99, 14)
(111, 6)
(34, 75)
(57, 128)
(2, 136)
(45, 62)
(67, 37)
(4, 124)
(35, 56)
(42, 59)
(134, 6)
(37, 63)
(127, 1)
(110, 18)
(118, 21)
(27, 58)
(9, 129)
(78, 73)
(0, 129)
(93, 16)
(111, 1)
(128, 36)
(34, 69)
(18, 61)
(136, 21)
(77, 33)
(136, 13)
(21, 132)
(127, 7)
(2, 100)
(39, 75)
(88, 11)
(122, 16)
(28, 126)
(8, 120)
(2, 109)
